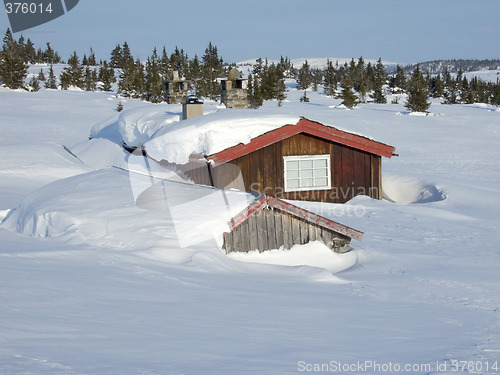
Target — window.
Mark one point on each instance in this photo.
(310, 172)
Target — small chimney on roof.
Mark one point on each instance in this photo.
(192, 107)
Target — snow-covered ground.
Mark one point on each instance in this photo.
(105, 271)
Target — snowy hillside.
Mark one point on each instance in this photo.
(109, 271)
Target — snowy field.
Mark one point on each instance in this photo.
(95, 281)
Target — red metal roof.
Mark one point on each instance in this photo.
(270, 201)
(308, 127)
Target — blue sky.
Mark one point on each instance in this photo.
(395, 30)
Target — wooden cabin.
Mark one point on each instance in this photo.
(303, 161)
(270, 223)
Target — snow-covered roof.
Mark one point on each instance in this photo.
(164, 137)
(205, 135)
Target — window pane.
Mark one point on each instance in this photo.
(292, 174)
(306, 173)
(320, 182)
(292, 184)
(292, 164)
(306, 164)
(320, 163)
(306, 182)
(321, 172)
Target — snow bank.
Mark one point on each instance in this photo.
(315, 254)
(407, 190)
(138, 125)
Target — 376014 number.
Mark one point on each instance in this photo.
(28, 8)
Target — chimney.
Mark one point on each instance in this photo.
(192, 107)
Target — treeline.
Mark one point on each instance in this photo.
(358, 82)
(465, 65)
(354, 82)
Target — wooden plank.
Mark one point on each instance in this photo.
(296, 236)
(253, 236)
(228, 242)
(286, 221)
(304, 231)
(271, 229)
(237, 240)
(278, 225)
(359, 172)
(245, 236)
(262, 231)
(312, 232)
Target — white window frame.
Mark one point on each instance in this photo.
(300, 158)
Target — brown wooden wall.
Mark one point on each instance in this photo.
(353, 172)
(271, 229)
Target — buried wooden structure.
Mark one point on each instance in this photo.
(270, 223)
(341, 164)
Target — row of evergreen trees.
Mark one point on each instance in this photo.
(352, 82)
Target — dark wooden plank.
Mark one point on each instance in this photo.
(245, 236)
(338, 180)
(228, 243)
(253, 236)
(359, 170)
(286, 221)
(376, 184)
(237, 240)
(278, 225)
(296, 236)
(304, 232)
(346, 191)
(262, 231)
(271, 229)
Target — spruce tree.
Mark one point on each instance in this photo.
(330, 79)
(213, 68)
(154, 83)
(73, 74)
(398, 82)
(41, 75)
(13, 67)
(51, 83)
(34, 84)
(90, 79)
(304, 77)
(347, 94)
(255, 99)
(418, 92)
(106, 77)
(379, 80)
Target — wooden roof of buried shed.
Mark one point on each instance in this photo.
(307, 127)
(270, 201)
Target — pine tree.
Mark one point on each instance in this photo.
(450, 89)
(212, 69)
(154, 83)
(347, 94)
(13, 68)
(379, 80)
(418, 92)
(73, 74)
(106, 77)
(398, 82)
(51, 83)
(437, 87)
(116, 58)
(139, 84)
(304, 77)
(330, 80)
(34, 84)
(41, 75)
(255, 99)
(90, 79)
